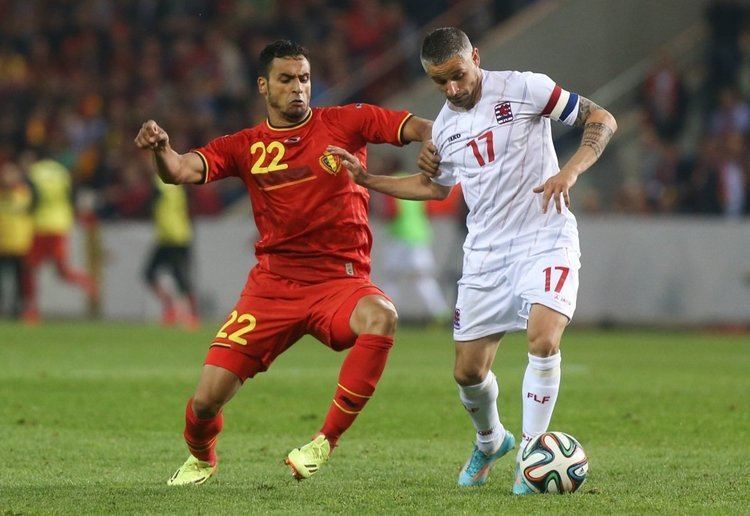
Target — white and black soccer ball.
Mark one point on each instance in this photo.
(553, 462)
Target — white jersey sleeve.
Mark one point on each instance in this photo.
(448, 174)
(550, 100)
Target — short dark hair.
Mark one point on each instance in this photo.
(442, 44)
(279, 48)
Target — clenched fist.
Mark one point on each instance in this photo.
(152, 137)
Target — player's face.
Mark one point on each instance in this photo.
(459, 79)
(287, 89)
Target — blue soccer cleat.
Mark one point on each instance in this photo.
(477, 469)
(519, 486)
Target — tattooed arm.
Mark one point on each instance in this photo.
(598, 127)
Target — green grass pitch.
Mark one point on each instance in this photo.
(91, 417)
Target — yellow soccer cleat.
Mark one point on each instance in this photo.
(194, 471)
(305, 461)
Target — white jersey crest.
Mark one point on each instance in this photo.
(499, 151)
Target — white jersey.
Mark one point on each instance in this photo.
(499, 151)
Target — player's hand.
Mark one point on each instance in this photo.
(555, 187)
(152, 137)
(428, 160)
(356, 171)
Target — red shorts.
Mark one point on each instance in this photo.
(51, 245)
(273, 313)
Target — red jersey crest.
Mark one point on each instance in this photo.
(311, 218)
(331, 163)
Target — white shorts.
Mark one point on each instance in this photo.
(403, 259)
(500, 301)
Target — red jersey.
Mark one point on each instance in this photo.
(311, 216)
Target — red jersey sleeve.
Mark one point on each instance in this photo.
(374, 124)
(219, 157)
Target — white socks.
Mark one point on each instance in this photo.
(538, 395)
(480, 402)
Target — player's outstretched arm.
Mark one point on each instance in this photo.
(173, 168)
(598, 127)
(416, 187)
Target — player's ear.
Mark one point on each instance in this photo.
(475, 56)
(262, 85)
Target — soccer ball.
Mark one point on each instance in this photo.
(553, 462)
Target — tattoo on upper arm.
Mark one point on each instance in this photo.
(596, 135)
(585, 107)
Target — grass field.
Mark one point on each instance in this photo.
(91, 417)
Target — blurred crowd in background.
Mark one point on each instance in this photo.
(701, 167)
(78, 78)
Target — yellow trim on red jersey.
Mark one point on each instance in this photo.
(292, 127)
(205, 167)
(219, 344)
(291, 183)
(401, 127)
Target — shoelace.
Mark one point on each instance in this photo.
(193, 466)
(317, 450)
(476, 461)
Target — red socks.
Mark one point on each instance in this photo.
(201, 434)
(358, 377)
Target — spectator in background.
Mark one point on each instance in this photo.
(699, 187)
(732, 114)
(725, 19)
(630, 197)
(16, 233)
(664, 98)
(171, 254)
(658, 171)
(743, 72)
(732, 176)
(53, 219)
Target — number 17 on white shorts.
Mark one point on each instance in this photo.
(500, 300)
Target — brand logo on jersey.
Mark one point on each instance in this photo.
(330, 163)
(292, 140)
(454, 137)
(349, 267)
(457, 319)
(503, 113)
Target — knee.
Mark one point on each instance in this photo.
(543, 344)
(205, 407)
(381, 320)
(470, 374)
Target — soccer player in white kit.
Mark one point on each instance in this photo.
(521, 257)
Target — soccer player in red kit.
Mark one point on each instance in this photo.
(312, 275)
